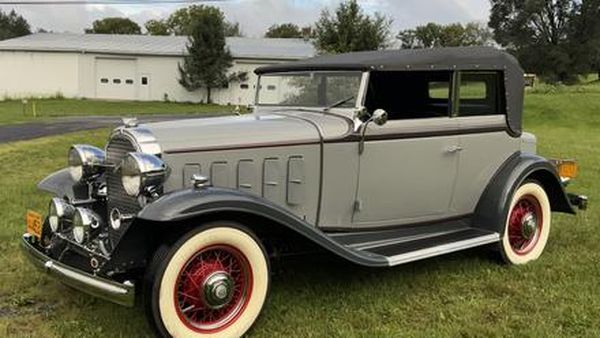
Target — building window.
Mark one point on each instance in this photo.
(116, 81)
(129, 81)
(244, 86)
(144, 80)
(104, 80)
(271, 87)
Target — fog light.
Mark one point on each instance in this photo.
(85, 221)
(59, 210)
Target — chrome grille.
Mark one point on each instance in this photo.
(116, 150)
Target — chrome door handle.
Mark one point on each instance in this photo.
(454, 149)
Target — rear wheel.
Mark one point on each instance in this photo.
(527, 225)
(212, 283)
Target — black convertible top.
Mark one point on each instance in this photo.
(402, 59)
(453, 58)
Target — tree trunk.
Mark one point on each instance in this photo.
(598, 74)
(208, 98)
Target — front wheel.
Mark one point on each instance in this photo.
(527, 225)
(213, 282)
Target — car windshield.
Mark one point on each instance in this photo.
(309, 89)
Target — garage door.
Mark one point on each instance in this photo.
(115, 79)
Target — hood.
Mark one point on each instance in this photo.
(248, 131)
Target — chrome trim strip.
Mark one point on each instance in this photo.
(443, 249)
(120, 293)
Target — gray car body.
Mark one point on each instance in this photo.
(309, 163)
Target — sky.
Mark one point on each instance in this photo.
(255, 16)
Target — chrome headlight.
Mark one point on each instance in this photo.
(85, 161)
(59, 210)
(85, 221)
(140, 171)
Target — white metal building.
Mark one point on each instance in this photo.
(127, 67)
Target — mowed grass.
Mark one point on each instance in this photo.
(15, 111)
(465, 294)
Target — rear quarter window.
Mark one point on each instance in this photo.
(481, 93)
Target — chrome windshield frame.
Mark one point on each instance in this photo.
(345, 111)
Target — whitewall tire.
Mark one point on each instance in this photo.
(527, 225)
(212, 283)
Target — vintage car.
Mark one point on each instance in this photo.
(380, 158)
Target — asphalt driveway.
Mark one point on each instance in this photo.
(26, 131)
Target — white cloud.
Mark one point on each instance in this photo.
(255, 16)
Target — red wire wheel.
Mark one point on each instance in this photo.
(525, 225)
(213, 288)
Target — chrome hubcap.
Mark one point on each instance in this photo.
(218, 290)
(529, 226)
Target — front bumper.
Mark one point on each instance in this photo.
(120, 293)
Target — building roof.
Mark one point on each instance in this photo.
(402, 59)
(241, 48)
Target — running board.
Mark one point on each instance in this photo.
(408, 244)
(442, 249)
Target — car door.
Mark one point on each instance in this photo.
(486, 144)
(407, 172)
(408, 168)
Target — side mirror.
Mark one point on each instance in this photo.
(379, 117)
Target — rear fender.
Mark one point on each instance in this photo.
(494, 203)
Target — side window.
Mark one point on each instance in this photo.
(481, 93)
(410, 94)
(439, 90)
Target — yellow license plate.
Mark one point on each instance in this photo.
(34, 223)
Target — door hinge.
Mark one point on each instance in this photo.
(358, 205)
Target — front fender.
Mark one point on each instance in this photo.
(193, 203)
(493, 206)
(61, 184)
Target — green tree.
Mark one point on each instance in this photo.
(208, 60)
(114, 26)
(157, 27)
(453, 35)
(13, 25)
(539, 33)
(232, 29)
(348, 29)
(586, 41)
(285, 30)
(181, 22)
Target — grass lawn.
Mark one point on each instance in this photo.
(465, 294)
(14, 111)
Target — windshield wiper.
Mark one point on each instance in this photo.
(338, 103)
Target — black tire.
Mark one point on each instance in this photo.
(165, 313)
